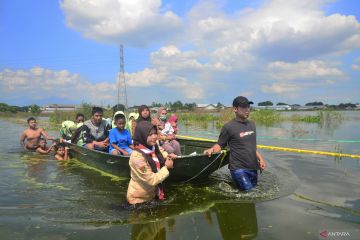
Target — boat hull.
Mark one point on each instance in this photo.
(187, 168)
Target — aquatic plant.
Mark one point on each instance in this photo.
(265, 117)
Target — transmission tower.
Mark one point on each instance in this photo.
(122, 96)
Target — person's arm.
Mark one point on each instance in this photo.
(42, 131)
(41, 151)
(261, 160)
(221, 143)
(214, 149)
(123, 152)
(22, 140)
(66, 156)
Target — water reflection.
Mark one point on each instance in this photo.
(225, 220)
(148, 231)
(236, 220)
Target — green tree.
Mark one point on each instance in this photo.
(35, 109)
(266, 103)
(281, 104)
(177, 105)
(190, 106)
(314, 104)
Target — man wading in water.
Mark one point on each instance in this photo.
(32, 135)
(240, 135)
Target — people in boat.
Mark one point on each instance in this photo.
(160, 119)
(96, 131)
(43, 149)
(240, 136)
(113, 125)
(30, 137)
(144, 115)
(80, 118)
(119, 137)
(132, 119)
(78, 137)
(61, 152)
(67, 130)
(149, 167)
(167, 135)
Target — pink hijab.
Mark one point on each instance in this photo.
(173, 119)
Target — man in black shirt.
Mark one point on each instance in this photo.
(240, 136)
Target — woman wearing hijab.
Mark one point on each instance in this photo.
(160, 119)
(149, 167)
(144, 115)
(132, 119)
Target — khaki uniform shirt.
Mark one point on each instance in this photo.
(143, 182)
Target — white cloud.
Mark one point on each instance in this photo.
(145, 78)
(291, 41)
(355, 67)
(281, 88)
(303, 70)
(135, 22)
(41, 83)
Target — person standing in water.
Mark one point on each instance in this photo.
(240, 136)
(148, 166)
(43, 149)
(32, 135)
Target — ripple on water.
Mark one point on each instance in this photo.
(273, 183)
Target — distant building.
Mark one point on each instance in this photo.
(278, 107)
(58, 107)
(206, 107)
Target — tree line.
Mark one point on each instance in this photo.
(34, 109)
(339, 106)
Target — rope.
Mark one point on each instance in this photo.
(335, 154)
(207, 166)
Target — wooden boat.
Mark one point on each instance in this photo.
(193, 166)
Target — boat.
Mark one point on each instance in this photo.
(191, 167)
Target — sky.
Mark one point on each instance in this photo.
(290, 51)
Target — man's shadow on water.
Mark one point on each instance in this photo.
(226, 220)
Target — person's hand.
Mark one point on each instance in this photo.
(209, 151)
(171, 156)
(102, 144)
(262, 164)
(169, 163)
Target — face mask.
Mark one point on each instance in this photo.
(163, 117)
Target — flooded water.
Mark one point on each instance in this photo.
(298, 196)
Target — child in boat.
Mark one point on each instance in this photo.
(61, 152)
(42, 149)
(170, 144)
(120, 138)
